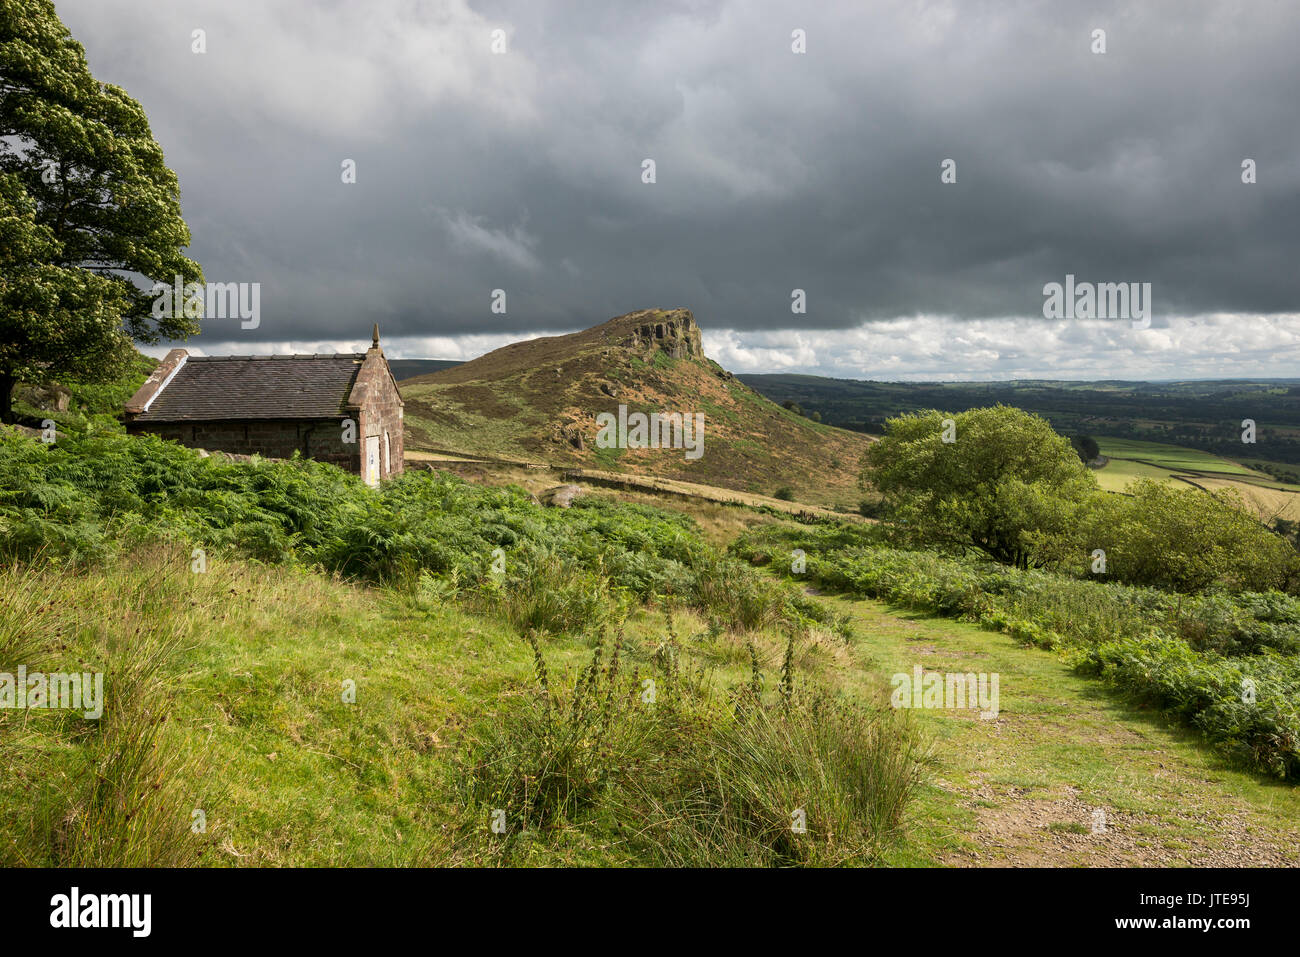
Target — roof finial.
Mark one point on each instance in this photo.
(375, 342)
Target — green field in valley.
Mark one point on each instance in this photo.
(1131, 460)
(1172, 458)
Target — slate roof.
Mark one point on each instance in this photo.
(219, 388)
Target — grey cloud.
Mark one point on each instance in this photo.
(775, 170)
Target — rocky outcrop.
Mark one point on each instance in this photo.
(671, 331)
(569, 434)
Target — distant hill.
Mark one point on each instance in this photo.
(538, 400)
(1199, 414)
(410, 368)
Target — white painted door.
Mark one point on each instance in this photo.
(372, 460)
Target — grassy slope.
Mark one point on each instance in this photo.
(286, 772)
(294, 776)
(290, 775)
(1170, 457)
(515, 403)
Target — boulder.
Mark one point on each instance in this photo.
(50, 397)
(561, 496)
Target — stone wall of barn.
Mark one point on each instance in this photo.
(320, 440)
(380, 406)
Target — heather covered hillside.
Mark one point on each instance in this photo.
(538, 400)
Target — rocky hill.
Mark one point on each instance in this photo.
(562, 399)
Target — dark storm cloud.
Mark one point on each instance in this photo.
(775, 171)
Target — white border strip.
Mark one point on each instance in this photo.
(165, 383)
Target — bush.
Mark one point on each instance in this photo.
(992, 480)
(1186, 540)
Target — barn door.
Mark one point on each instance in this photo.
(372, 460)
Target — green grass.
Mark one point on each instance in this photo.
(247, 722)
(1171, 458)
(1119, 473)
(1186, 654)
(1020, 790)
(607, 459)
(227, 688)
(1131, 460)
(250, 663)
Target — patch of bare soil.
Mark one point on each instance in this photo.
(1017, 830)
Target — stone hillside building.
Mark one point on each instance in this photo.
(343, 409)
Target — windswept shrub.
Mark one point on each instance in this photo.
(1186, 540)
(989, 480)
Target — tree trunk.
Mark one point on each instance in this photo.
(7, 383)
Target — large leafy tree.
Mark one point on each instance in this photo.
(996, 480)
(90, 215)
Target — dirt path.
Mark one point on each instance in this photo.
(1066, 774)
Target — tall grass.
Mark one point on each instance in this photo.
(541, 591)
(686, 775)
(121, 793)
(77, 520)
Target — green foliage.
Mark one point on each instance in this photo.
(1186, 540)
(1011, 488)
(93, 406)
(88, 496)
(1086, 447)
(685, 777)
(86, 202)
(108, 398)
(1003, 480)
(54, 319)
(1114, 629)
(1247, 706)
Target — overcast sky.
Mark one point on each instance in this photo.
(774, 170)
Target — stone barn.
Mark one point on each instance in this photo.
(343, 409)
